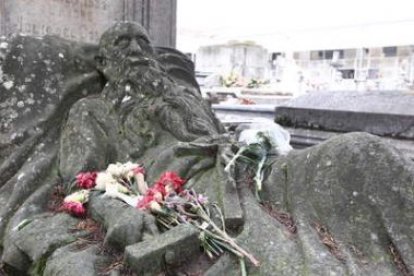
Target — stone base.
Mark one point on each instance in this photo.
(172, 247)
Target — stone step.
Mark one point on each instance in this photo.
(172, 247)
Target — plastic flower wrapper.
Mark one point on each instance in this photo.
(258, 141)
(276, 136)
(74, 203)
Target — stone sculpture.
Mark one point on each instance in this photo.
(342, 207)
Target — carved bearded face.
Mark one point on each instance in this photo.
(127, 56)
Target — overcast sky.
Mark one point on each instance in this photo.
(295, 24)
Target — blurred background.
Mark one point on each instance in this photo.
(295, 47)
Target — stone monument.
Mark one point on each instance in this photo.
(343, 207)
(86, 20)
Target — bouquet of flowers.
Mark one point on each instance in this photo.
(232, 80)
(167, 200)
(258, 142)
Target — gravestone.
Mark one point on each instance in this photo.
(315, 117)
(86, 20)
(384, 113)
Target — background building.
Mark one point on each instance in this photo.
(244, 59)
(374, 68)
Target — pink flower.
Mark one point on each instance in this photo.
(75, 208)
(86, 180)
(139, 170)
(171, 178)
(202, 199)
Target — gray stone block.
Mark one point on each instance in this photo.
(68, 261)
(385, 113)
(124, 224)
(41, 237)
(172, 247)
(233, 214)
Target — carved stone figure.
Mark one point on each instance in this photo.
(146, 107)
(344, 207)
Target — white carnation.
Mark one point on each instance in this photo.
(115, 169)
(80, 196)
(103, 179)
(119, 170)
(112, 191)
(128, 166)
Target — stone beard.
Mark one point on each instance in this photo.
(143, 89)
(135, 81)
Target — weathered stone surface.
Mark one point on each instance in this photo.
(84, 20)
(124, 225)
(232, 211)
(39, 238)
(40, 80)
(173, 247)
(360, 205)
(69, 261)
(385, 113)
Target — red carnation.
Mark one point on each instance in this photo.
(157, 192)
(171, 178)
(74, 208)
(86, 180)
(145, 202)
(159, 187)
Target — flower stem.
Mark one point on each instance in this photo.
(228, 239)
(239, 152)
(243, 267)
(231, 242)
